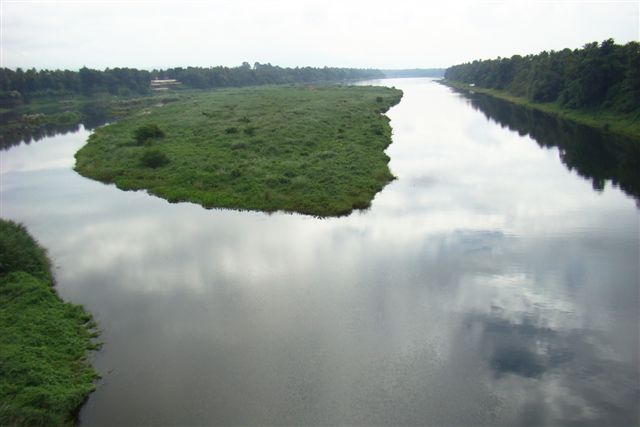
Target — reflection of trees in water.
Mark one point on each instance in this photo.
(26, 134)
(14, 130)
(16, 136)
(594, 155)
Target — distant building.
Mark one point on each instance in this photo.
(164, 84)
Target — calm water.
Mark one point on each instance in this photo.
(489, 284)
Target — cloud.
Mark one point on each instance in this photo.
(291, 33)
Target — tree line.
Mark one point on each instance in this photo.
(605, 75)
(258, 74)
(18, 86)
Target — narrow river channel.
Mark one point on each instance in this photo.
(495, 282)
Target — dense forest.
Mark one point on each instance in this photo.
(18, 86)
(599, 75)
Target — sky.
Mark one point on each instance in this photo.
(359, 33)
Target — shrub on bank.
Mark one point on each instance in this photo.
(147, 132)
(154, 159)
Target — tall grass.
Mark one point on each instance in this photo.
(44, 374)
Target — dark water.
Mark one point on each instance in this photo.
(487, 285)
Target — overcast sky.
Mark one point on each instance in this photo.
(367, 33)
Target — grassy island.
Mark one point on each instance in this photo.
(313, 150)
(44, 373)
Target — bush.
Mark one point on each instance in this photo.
(147, 132)
(154, 159)
(231, 130)
(239, 145)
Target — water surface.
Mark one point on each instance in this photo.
(488, 285)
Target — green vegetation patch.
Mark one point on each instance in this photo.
(44, 373)
(317, 151)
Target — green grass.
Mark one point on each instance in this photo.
(317, 151)
(44, 374)
(624, 124)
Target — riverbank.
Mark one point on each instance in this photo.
(44, 373)
(305, 149)
(627, 125)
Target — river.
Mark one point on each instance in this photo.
(495, 282)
